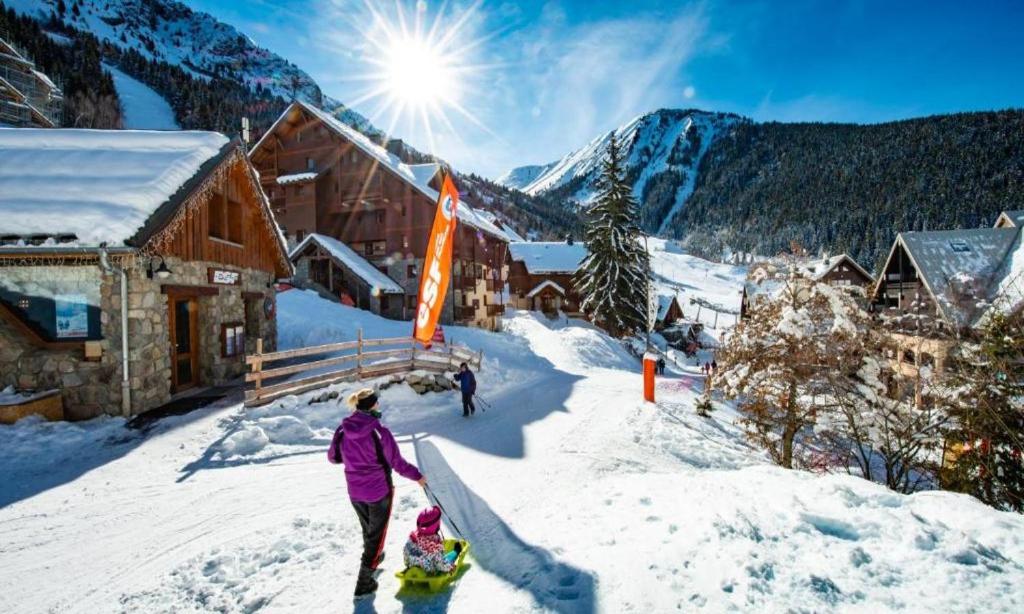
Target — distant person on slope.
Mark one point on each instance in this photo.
(467, 383)
(369, 452)
(661, 366)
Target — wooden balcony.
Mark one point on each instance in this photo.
(495, 310)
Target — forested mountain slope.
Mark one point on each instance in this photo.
(851, 188)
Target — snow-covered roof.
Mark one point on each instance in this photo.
(542, 257)
(545, 284)
(1012, 218)
(98, 185)
(417, 178)
(46, 80)
(960, 267)
(818, 268)
(664, 304)
(424, 173)
(348, 258)
(296, 178)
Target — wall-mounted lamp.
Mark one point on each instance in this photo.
(161, 272)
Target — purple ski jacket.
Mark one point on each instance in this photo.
(353, 444)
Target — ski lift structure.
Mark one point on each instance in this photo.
(715, 307)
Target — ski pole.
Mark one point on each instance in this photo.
(482, 400)
(437, 501)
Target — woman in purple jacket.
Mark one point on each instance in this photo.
(369, 452)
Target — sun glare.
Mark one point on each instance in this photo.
(419, 66)
(417, 73)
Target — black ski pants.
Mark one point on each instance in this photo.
(373, 517)
(467, 404)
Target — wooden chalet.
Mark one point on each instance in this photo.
(324, 177)
(840, 271)
(134, 265)
(336, 271)
(936, 285)
(669, 311)
(541, 276)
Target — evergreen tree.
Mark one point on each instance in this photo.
(987, 407)
(614, 279)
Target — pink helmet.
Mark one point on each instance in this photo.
(429, 520)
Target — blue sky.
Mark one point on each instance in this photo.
(547, 76)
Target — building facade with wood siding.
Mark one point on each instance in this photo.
(324, 177)
(541, 276)
(168, 232)
(937, 286)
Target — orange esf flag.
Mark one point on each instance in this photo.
(437, 267)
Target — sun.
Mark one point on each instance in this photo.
(416, 73)
(419, 68)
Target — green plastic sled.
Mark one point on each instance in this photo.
(415, 577)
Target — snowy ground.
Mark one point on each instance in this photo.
(576, 496)
(144, 109)
(676, 272)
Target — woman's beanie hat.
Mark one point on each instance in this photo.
(429, 520)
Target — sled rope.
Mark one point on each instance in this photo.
(430, 493)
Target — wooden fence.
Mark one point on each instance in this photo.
(397, 355)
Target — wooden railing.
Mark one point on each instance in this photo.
(403, 356)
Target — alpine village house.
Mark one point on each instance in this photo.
(937, 285)
(359, 218)
(134, 265)
(540, 276)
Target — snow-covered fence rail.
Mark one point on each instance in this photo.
(322, 365)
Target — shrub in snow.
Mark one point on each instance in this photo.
(779, 359)
(985, 396)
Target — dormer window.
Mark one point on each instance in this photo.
(959, 247)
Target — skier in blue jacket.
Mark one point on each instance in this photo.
(467, 383)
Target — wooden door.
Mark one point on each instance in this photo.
(184, 335)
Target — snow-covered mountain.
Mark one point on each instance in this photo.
(170, 31)
(662, 152)
(522, 176)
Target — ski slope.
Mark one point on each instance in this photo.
(689, 277)
(577, 497)
(143, 108)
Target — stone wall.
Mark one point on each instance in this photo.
(91, 388)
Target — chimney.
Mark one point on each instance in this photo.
(395, 146)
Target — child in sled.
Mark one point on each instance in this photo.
(425, 548)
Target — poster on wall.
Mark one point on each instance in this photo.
(72, 312)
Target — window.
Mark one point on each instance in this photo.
(55, 303)
(310, 164)
(959, 247)
(403, 210)
(908, 356)
(405, 241)
(411, 271)
(232, 339)
(380, 217)
(225, 218)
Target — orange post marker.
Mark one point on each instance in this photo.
(650, 362)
